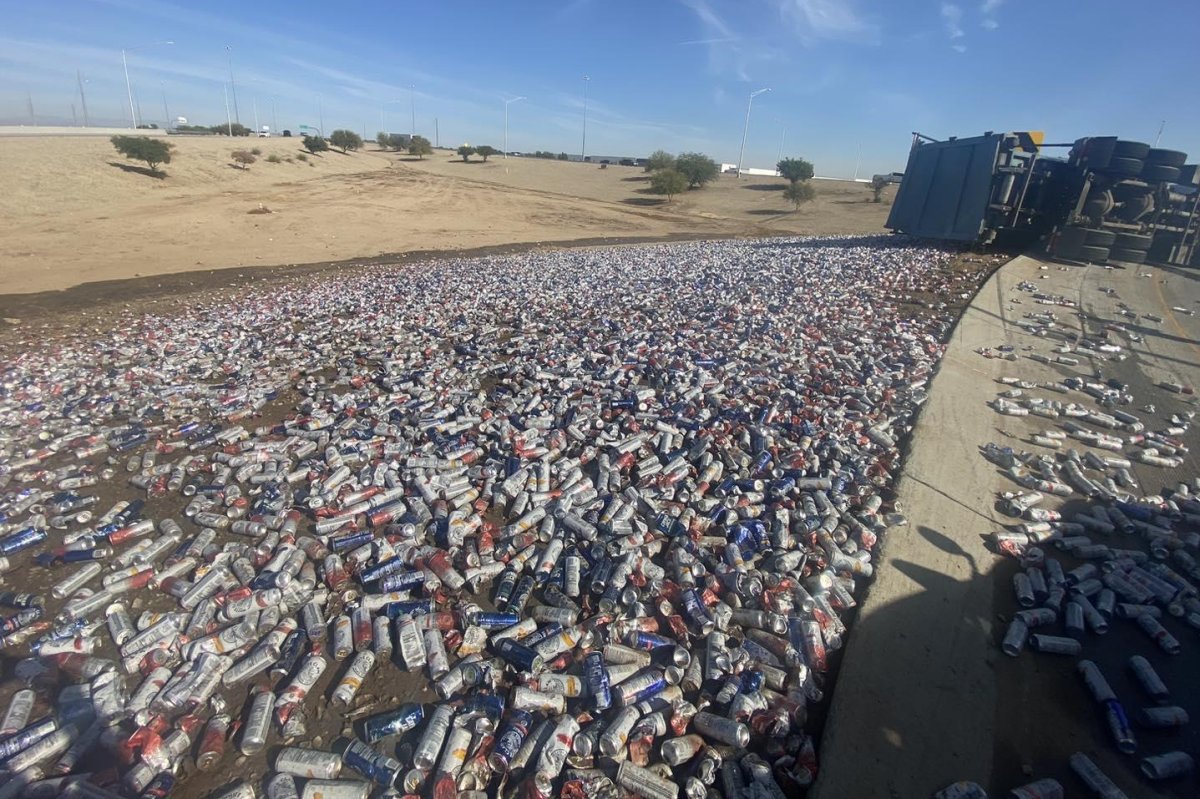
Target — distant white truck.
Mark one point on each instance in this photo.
(264, 132)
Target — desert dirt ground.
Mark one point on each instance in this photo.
(76, 212)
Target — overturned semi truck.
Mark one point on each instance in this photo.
(1101, 199)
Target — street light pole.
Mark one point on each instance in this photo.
(82, 97)
(506, 104)
(782, 136)
(746, 129)
(232, 85)
(128, 85)
(166, 112)
(128, 88)
(586, 81)
(412, 107)
(228, 119)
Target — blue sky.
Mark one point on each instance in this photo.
(850, 79)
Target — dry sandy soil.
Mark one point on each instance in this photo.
(76, 212)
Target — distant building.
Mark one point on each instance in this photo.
(731, 169)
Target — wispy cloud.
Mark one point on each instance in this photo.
(952, 20)
(988, 9)
(827, 19)
(730, 54)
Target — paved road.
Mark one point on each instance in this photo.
(50, 130)
(925, 697)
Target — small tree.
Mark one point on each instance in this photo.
(143, 148)
(484, 150)
(698, 168)
(381, 139)
(564, 157)
(660, 159)
(669, 182)
(420, 147)
(878, 184)
(800, 193)
(243, 158)
(345, 140)
(315, 144)
(795, 169)
(466, 151)
(397, 141)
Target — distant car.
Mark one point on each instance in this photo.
(891, 177)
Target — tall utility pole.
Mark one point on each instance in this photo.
(437, 139)
(274, 121)
(256, 127)
(506, 104)
(232, 85)
(128, 85)
(746, 129)
(228, 119)
(583, 153)
(166, 113)
(1161, 126)
(321, 116)
(782, 137)
(82, 97)
(412, 107)
(32, 115)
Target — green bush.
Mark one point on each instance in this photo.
(669, 182)
(302, 156)
(273, 158)
(484, 150)
(243, 158)
(144, 148)
(878, 184)
(345, 140)
(315, 144)
(420, 147)
(795, 169)
(660, 159)
(256, 151)
(698, 168)
(799, 193)
(466, 151)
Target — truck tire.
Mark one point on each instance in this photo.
(1123, 166)
(1160, 173)
(1127, 256)
(1127, 190)
(1093, 255)
(1130, 149)
(1094, 237)
(1068, 240)
(1132, 241)
(1166, 158)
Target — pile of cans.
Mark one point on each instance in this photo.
(561, 524)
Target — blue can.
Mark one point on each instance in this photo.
(22, 539)
(596, 676)
(27, 736)
(382, 570)
(640, 639)
(351, 541)
(414, 607)
(752, 681)
(521, 595)
(375, 766)
(495, 621)
(15, 622)
(393, 722)
(504, 589)
(486, 708)
(520, 655)
(541, 634)
(401, 581)
(512, 734)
